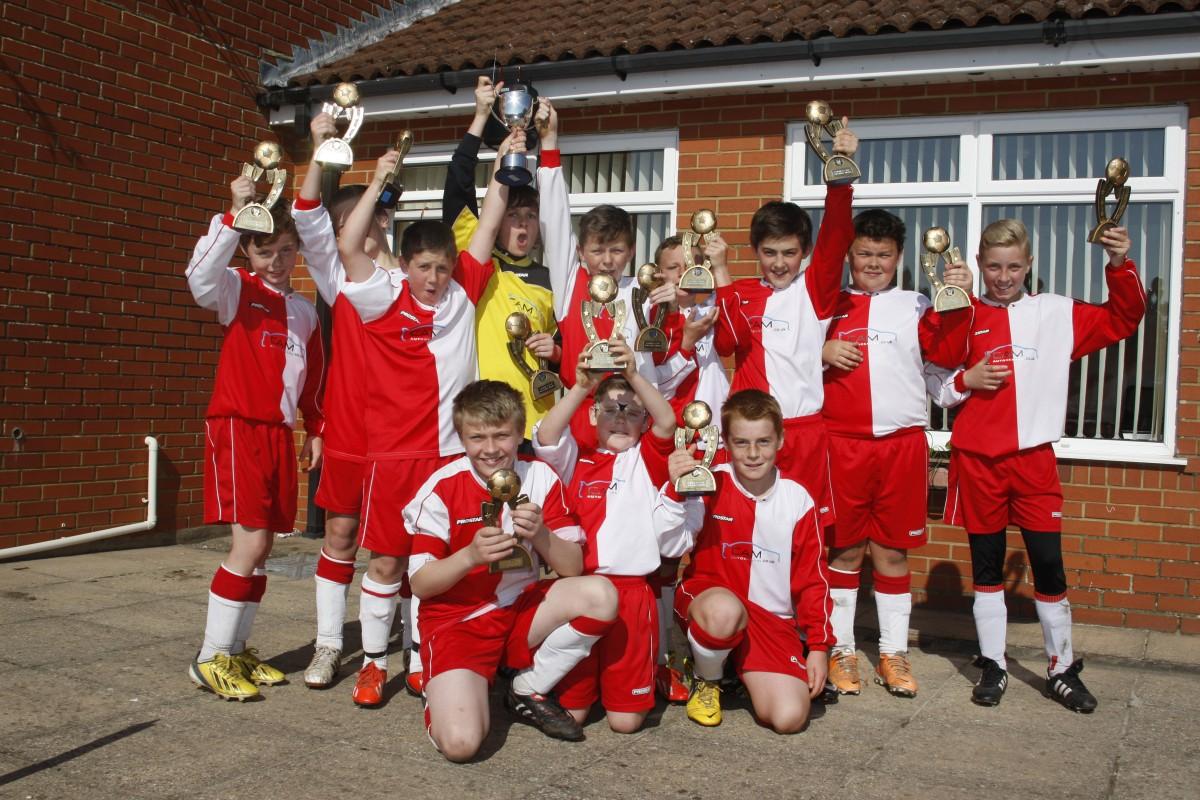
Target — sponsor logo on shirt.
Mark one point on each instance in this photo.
(468, 520)
(1056, 514)
(1008, 353)
(701, 348)
(281, 341)
(260, 307)
(722, 517)
(916, 532)
(595, 490)
(418, 333)
(981, 331)
(867, 336)
(410, 316)
(841, 316)
(767, 324)
(524, 305)
(749, 551)
(640, 691)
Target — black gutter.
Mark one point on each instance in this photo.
(1052, 33)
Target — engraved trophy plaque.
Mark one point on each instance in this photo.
(651, 337)
(697, 419)
(1113, 182)
(335, 153)
(393, 187)
(542, 382)
(256, 217)
(514, 108)
(937, 245)
(698, 277)
(504, 485)
(839, 169)
(602, 289)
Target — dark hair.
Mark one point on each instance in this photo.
(523, 197)
(614, 382)
(427, 235)
(778, 220)
(665, 245)
(877, 224)
(751, 405)
(606, 224)
(489, 403)
(284, 224)
(344, 196)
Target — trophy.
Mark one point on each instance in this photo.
(543, 382)
(389, 193)
(697, 417)
(602, 289)
(1113, 182)
(839, 169)
(516, 106)
(335, 153)
(256, 217)
(698, 277)
(651, 338)
(504, 485)
(937, 244)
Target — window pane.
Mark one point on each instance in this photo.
(1075, 154)
(926, 159)
(1119, 392)
(432, 177)
(632, 171)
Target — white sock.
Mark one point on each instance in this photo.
(894, 611)
(845, 603)
(555, 657)
(1056, 630)
(331, 611)
(221, 626)
(666, 607)
(376, 611)
(707, 664)
(414, 659)
(991, 625)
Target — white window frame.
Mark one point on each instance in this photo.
(976, 188)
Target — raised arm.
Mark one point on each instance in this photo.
(560, 248)
(318, 243)
(662, 416)
(495, 202)
(359, 266)
(824, 273)
(460, 209)
(556, 425)
(213, 285)
(1098, 326)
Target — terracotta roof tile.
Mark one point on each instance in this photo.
(469, 34)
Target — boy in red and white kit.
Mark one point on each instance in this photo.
(875, 411)
(774, 326)
(612, 488)
(271, 363)
(757, 575)
(472, 620)
(1002, 466)
(419, 347)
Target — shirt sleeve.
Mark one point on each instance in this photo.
(732, 334)
(472, 275)
(312, 393)
(213, 284)
(676, 521)
(810, 583)
(1098, 326)
(428, 521)
(943, 336)
(558, 517)
(373, 297)
(561, 455)
(942, 385)
(559, 244)
(460, 208)
(655, 450)
(318, 245)
(824, 273)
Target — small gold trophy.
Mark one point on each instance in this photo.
(335, 153)
(839, 169)
(602, 289)
(937, 244)
(256, 217)
(543, 382)
(393, 187)
(1113, 182)
(504, 485)
(697, 417)
(651, 337)
(698, 277)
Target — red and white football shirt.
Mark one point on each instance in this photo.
(1037, 337)
(272, 359)
(776, 335)
(444, 517)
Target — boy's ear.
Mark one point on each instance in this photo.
(592, 415)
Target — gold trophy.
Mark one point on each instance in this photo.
(1113, 182)
(393, 187)
(602, 289)
(698, 277)
(839, 169)
(335, 153)
(651, 337)
(504, 485)
(697, 418)
(256, 217)
(543, 382)
(937, 244)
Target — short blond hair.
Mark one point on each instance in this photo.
(752, 405)
(1006, 233)
(489, 403)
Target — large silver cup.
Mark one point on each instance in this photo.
(514, 108)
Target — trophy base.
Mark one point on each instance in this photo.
(697, 279)
(699, 481)
(840, 170)
(1103, 227)
(601, 358)
(389, 196)
(519, 561)
(513, 171)
(544, 384)
(334, 154)
(951, 298)
(254, 218)
(651, 340)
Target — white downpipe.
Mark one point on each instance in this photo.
(151, 501)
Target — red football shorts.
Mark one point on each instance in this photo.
(249, 474)
(769, 644)
(986, 494)
(620, 669)
(481, 644)
(388, 487)
(341, 490)
(805, 459)
(881, 489)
